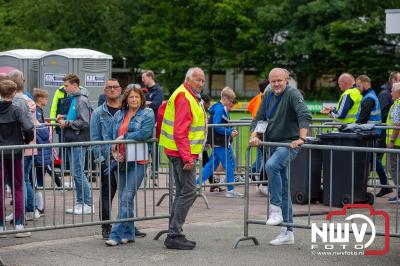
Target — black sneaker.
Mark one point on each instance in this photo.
(57, 180)
(190, 241)
(105, 231)
(384, 191)
(139, 233)
(179, 242)
(214, 189)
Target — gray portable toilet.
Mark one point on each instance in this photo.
(92, 67)
(25, 60)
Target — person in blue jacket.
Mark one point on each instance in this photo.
(220, 139)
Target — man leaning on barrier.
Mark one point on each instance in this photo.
(182, 136)
(283, 117)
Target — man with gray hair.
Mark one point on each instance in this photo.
(182, 136)
(393, 138)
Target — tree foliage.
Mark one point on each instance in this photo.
(310, 38)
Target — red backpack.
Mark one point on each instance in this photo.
(160, 116)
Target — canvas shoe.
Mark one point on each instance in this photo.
(263, 190)
(71, 211)
(126, 241)
(284, 238)
(39, 200)
(111, 243)
(22, 234)
(10, 217)
(29, 216)
(233, 194)
(86, 210)
(275, 215)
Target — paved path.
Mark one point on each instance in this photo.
(214, 229)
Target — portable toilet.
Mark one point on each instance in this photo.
(92, 67)
(25, 60)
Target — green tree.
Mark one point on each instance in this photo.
(330, 37)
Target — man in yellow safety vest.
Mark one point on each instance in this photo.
(182, 136)
(349, 102)
(393, 138)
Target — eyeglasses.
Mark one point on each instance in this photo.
(115, 87)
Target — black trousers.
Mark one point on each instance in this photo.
(107, 193)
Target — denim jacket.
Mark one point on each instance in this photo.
(140, 126)
(101, 130)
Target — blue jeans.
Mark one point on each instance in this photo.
(277, 171)
(82, 187)
(127, 187)
(225, 157)
(257, 166)
(28, 190)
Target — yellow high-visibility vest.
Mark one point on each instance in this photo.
(351, 116)
(389, 123)
(197, 128)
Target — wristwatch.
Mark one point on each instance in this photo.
(303, 139)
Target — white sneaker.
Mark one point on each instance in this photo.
(86, 210)
(263, 190)
(111, 243)
(284, 238)
(233, 194)
(22, 234)
(275, 215)
(39, 200)
(29, 216)
(10, 217)
(239, 178)
(126, 241)
(73, 209)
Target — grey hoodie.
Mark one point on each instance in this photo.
(78, 130)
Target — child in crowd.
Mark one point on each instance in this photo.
(220, 139)
(15, 129)
(28, 107)
(43, 136)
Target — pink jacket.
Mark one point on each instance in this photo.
(32, 108)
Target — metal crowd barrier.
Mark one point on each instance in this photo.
(349, 199)
(57, 201)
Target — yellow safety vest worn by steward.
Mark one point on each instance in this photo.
(389, 123)
(197, 128)
(356, 96)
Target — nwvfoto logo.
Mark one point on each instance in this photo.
(336, 232)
